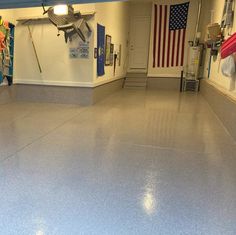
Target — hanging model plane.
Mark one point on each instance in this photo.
(71, 23)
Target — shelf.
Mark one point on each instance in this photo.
(7, 58)
(25, 20)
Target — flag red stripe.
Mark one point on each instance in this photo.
(164, 39)
(168, 49)
(155, 38)
(178, 49)
(183, 45)
(173, 49)
(159, 42)
(168, 45)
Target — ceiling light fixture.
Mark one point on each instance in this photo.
(61, 10)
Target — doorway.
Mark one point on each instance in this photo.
(139, 43)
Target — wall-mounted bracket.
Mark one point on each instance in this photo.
(27, 20)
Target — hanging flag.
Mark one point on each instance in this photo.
(170, 23)
(101, 50)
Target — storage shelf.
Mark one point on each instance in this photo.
(25, 20)
(7, 68)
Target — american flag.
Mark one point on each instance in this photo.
(170, 23)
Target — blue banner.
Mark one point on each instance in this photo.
(101, 50)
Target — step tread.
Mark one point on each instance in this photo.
(135, 80)
(141, 88)
(138, 75)
(135, 85)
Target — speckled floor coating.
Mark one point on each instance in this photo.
(137, 163)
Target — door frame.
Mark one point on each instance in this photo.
(130, 43)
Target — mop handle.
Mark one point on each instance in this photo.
(35, 51)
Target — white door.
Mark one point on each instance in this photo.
(139, 42)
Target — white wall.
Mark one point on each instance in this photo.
(190, 33)
(53, 52)
(57, 67)
(115, 17)
(8, 15)
(140, 8)
(205, 18)
(216, 76)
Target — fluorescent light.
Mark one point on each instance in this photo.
(60, 10)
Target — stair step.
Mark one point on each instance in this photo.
(135, 83)
(136, 78)
(135, 88)
(136, 75)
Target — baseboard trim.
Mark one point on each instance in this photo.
(66, 94)
(221, 90)
(67, 83)
(222, 104)
(103, 91)
(52, 83)
(163, 83)
(104, 82)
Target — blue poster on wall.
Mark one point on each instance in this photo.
(101, 50)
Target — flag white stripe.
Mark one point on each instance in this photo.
(166, 51)
(180, 48)
(161, 34)
(167, 35)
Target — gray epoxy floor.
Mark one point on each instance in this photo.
(136, 163)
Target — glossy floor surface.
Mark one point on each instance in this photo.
(137, 163)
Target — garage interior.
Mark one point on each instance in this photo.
(117, 117)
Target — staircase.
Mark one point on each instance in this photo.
(136, 81)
